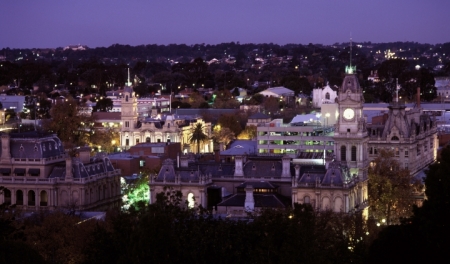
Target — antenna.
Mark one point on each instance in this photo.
(128, 77)
(350, 49)
(350, 69)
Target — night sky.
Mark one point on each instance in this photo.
(101, 23)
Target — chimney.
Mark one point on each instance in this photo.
(297, 171)
(238, 170)
(217, 155)
(84, 154)
(69, 173)
(286, 162)
(184, 161)
(249, 201)
(418, 97)
(6, 151)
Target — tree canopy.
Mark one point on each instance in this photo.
(390, 189)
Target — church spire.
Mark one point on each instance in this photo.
(128, 81)
(350, 69)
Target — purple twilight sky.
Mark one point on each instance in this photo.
(101, 23)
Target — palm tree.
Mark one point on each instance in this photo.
(197, 135)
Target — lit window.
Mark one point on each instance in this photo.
(191, 200)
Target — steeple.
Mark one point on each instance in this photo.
(129, 82)
(350, 69)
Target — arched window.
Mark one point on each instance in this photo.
(191, 200)
(306, 200)
(44, 198)
(343, 153)
(327, 96)
(353, 153)
(19, 197)
(394, 138)
(147, 139)
(31, 198)
(7, 196)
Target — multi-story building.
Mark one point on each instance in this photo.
(37, 174)
(170, 128)
(411, 135)
(276, 137)
(325, 168)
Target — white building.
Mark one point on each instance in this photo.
(323, 95)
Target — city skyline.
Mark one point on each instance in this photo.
(51, 24)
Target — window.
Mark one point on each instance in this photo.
(327, 96)
(397, 152)
(406, 165)
(371, 151)
(353, 153)
(127, 123)
(306, 200)
(418, 149)
(394, 138)
(431, 144)
(375, 151)
(44, 198)
(343, 153)
(191, 200)
(127, 142)
(147, 139)
(137, 140)
(406, 153)
(31, 198)
(19, 197)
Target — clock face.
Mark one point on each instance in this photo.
(349, 113)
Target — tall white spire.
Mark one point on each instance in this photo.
(350, 69)
(128, 82)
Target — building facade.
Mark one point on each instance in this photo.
(149, 130)
(306, 164)
(37, 174)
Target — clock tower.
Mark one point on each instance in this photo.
(128, 115)
(351, 138)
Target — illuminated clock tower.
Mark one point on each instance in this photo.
(351, 138)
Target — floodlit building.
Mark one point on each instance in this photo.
(170, 128)
(325, 95)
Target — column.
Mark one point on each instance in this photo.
(25, 197)
(202, 198)
(346, 203)
(13, 196)
(37, 197)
